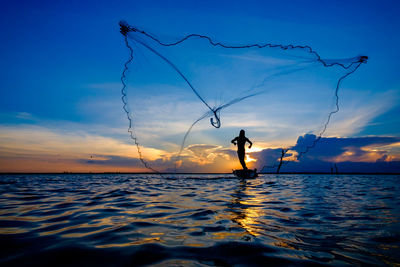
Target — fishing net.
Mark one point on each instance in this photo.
(186, 97)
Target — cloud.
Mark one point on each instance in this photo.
(40, 146)
(24, 115)
(207, 154)
(268, 60)
(274, 119)
(28, 148)
(196, 158)
(368, 152)
(111, 160)
(60, 145)
(330, 148)
(358, 109)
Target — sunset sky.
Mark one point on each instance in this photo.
(61, 63)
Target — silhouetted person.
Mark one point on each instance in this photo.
(240, 141)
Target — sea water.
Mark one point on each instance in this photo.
(199, 220)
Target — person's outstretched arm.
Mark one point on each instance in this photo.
(234, 141)
(247, 139)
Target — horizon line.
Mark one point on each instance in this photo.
(201, 173)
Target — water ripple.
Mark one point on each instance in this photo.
(199, 220)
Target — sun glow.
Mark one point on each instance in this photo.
(249, 159)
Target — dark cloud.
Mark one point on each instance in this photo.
(267, 157)
(335, 146)
(330, 150)
(112, 161)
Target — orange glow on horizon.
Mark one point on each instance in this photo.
(249, 159)
(39, 149)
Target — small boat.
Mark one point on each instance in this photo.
(246, 174)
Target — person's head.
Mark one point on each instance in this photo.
(241, 133)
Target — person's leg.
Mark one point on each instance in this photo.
(241, 159)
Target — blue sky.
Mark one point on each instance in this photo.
(60, 107)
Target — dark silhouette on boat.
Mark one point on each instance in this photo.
(240, 141)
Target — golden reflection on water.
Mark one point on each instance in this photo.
(255, 218)
(13, 230)
(249, 211)
(138, 241)
(226, 235)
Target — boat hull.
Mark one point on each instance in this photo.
(246, 174)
